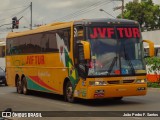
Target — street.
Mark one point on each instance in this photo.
(37, 101)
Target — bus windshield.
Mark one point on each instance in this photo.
(115, 51)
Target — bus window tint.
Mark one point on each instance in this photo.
(38, 43)
(65, 36)
(115, 49)
(2, 51)
(158, 52)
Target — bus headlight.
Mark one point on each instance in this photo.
(141, 81)
(97, 83)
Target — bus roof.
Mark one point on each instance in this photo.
(60, 25)
(106, 20)
(40, 29)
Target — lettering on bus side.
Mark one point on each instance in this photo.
(103, 32)
(35, 59)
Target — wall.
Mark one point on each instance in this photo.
(152, 35)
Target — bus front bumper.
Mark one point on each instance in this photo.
(95, 92)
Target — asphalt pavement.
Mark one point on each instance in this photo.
(55, 104)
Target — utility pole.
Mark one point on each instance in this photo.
(31, 16)
(120, 7)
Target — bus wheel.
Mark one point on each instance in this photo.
(5, 83)
(24, 85)
(118, 98)
(69, 92)
(19, 86)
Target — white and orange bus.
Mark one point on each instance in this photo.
(88, 59)
(152, 75)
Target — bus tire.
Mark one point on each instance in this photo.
(118, 98)
(5, 83)
(69, 92)
(24, 86)
(19, 86)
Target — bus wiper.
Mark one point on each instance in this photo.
(112, 64)
(129, 61)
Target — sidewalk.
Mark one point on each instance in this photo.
(153, 89)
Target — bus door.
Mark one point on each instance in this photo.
(80, 63)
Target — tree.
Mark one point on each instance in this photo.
(146, 13)
(154, 63)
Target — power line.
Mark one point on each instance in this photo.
(84, 10)
(75, 12)
(15, 14)
(106, 12)
(13, 8)
(114, 5)
(79, 12)
(3, 30)
(5, 24)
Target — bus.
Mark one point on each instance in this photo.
(152, 76)
(2, 63)
(156, 49)
(87, 59)
(2, 54)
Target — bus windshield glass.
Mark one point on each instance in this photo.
(115, 50)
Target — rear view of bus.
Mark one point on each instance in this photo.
(116, 66)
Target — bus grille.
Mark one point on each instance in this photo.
(114, 82)
(128, 81)
(120, 81)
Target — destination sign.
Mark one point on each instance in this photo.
(110, 32)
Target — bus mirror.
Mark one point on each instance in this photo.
(84, 50)
(151, 47)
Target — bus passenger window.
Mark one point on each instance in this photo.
(158, 52)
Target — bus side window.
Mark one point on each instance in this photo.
(146, 52)
(65, 35)
(158, 52)
(78, 35)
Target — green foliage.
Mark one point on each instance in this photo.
(146, 13)
(153, 85)
(154, 63)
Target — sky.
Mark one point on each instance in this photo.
(48, 11)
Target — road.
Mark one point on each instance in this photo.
(37, 101)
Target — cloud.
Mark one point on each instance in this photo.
(60, 4)
(46, 11)
(157, 1)
(5, 4)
